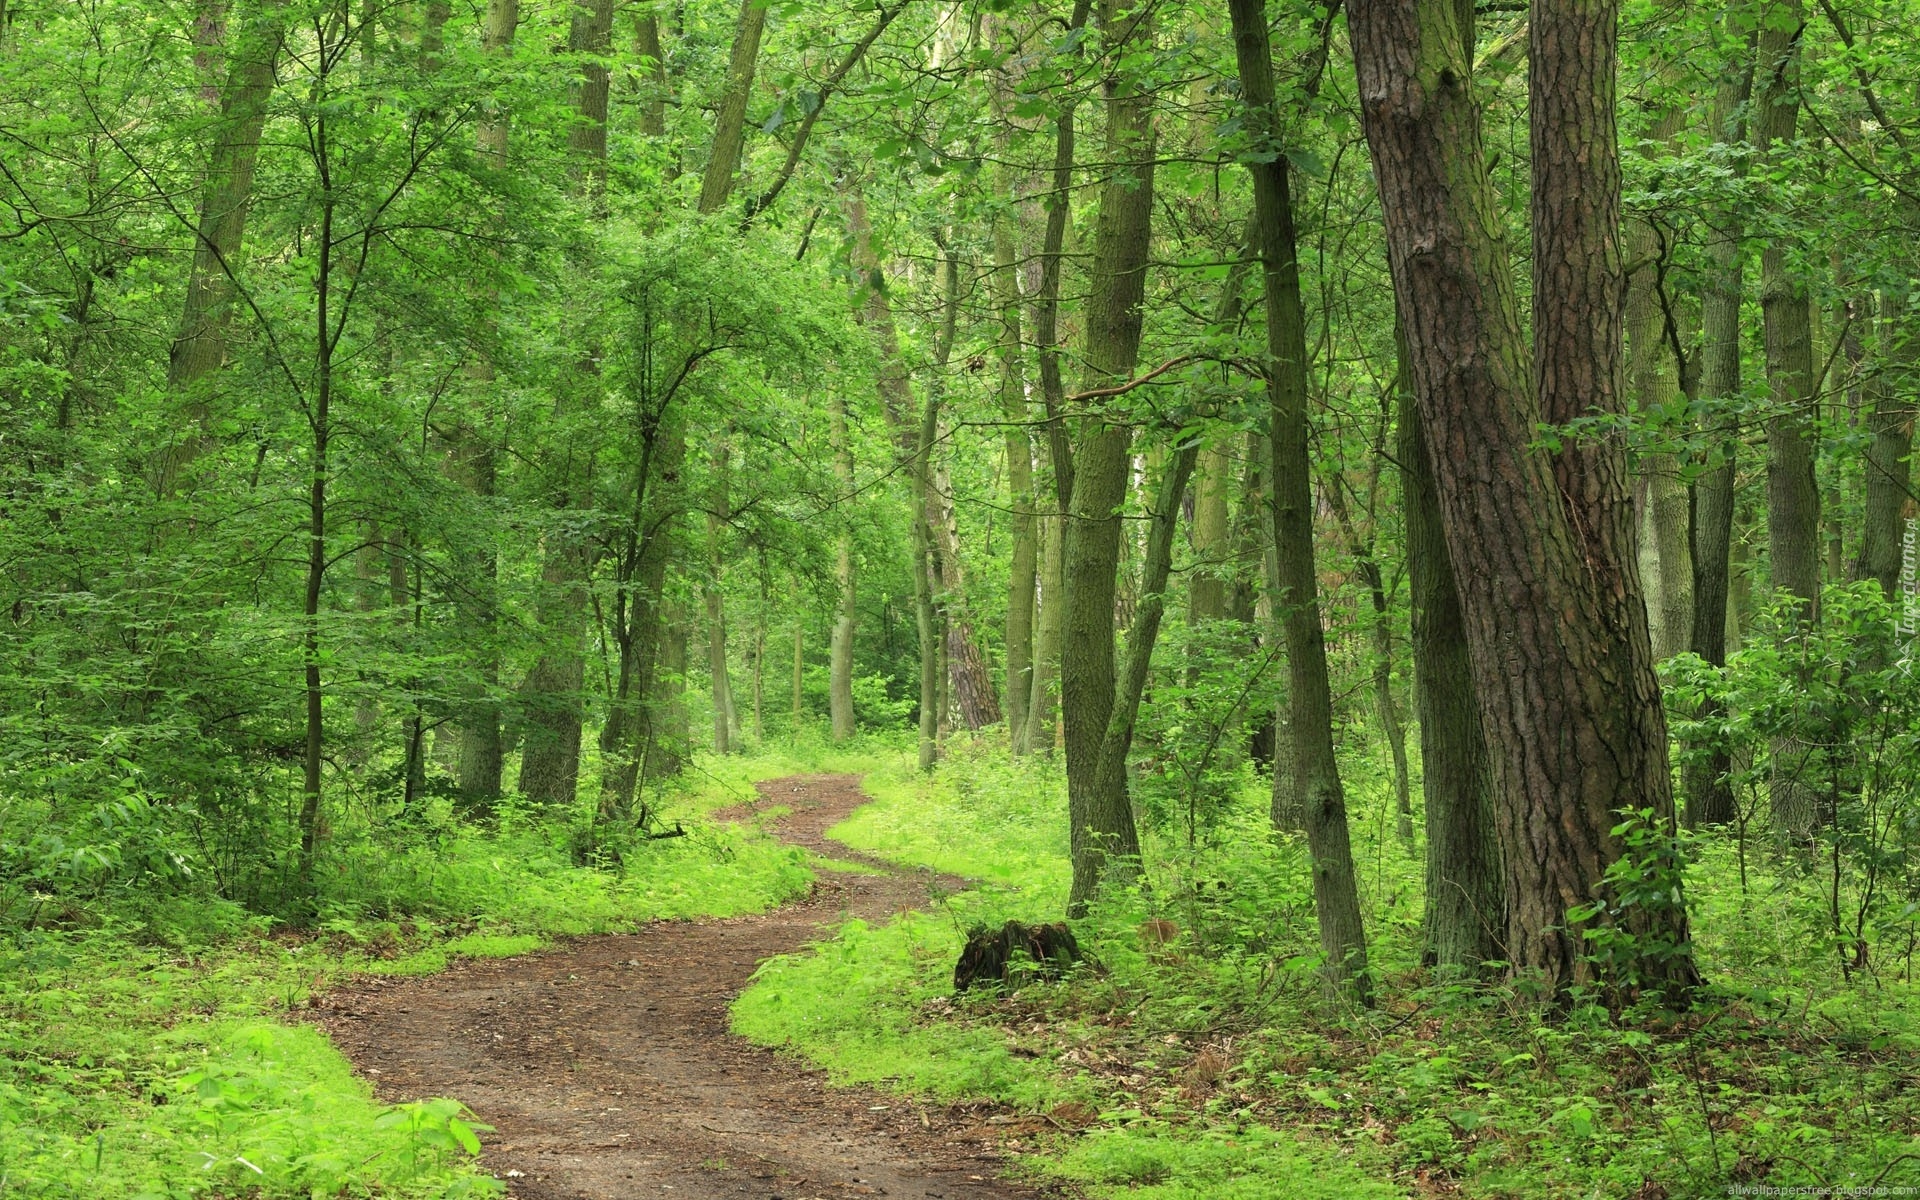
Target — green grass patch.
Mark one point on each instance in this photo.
(876, 1005)
(144, 1051)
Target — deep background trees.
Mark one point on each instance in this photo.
(422, 417)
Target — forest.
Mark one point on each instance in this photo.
(959, 598)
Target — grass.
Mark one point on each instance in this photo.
(876, 1005)
(146, 1049)
(1216, 1067)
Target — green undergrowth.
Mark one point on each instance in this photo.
(1215, 1066)
(876, 1005)
(151, 1047)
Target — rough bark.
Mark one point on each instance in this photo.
(1103, 842)
(729, 130)
(1562, 666)
(1336, 893)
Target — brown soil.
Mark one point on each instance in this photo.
(607, 1070)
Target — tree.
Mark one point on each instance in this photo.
(1563, 677)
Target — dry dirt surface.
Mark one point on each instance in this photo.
(607, 1071)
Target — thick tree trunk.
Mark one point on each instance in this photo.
(1023, 569)
(1336, 892)
(1466, 911)
(840, 650)
(627, 737)
(729, 131)
(1562, 666)
(1103, 843)
(672, 724)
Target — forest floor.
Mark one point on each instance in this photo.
(606, 1067)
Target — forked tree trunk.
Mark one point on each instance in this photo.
(1102, 840)
(1568, 699)
(1336, 892)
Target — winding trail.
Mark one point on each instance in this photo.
(607, 1070)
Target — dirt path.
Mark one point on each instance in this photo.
(607, 1071)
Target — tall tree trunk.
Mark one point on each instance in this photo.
(1102, 840)
(726, 723)
(1042, 726)
(1889, 471)
(729, 131)
(1653, 374)
(1706, 784)
(1110, 773)
(200, 343)
(551, 693)
(1248, 597)
(1562, 668)
(799, 671)
(1023, 569)
(482, 748)
(913, 435)
(1207, 584)
(1336, 892)
(1465, 914)
(840, 660)
(1043, 729)
(627, 737)
(1793, 496)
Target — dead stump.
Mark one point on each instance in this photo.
(1015, 953)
